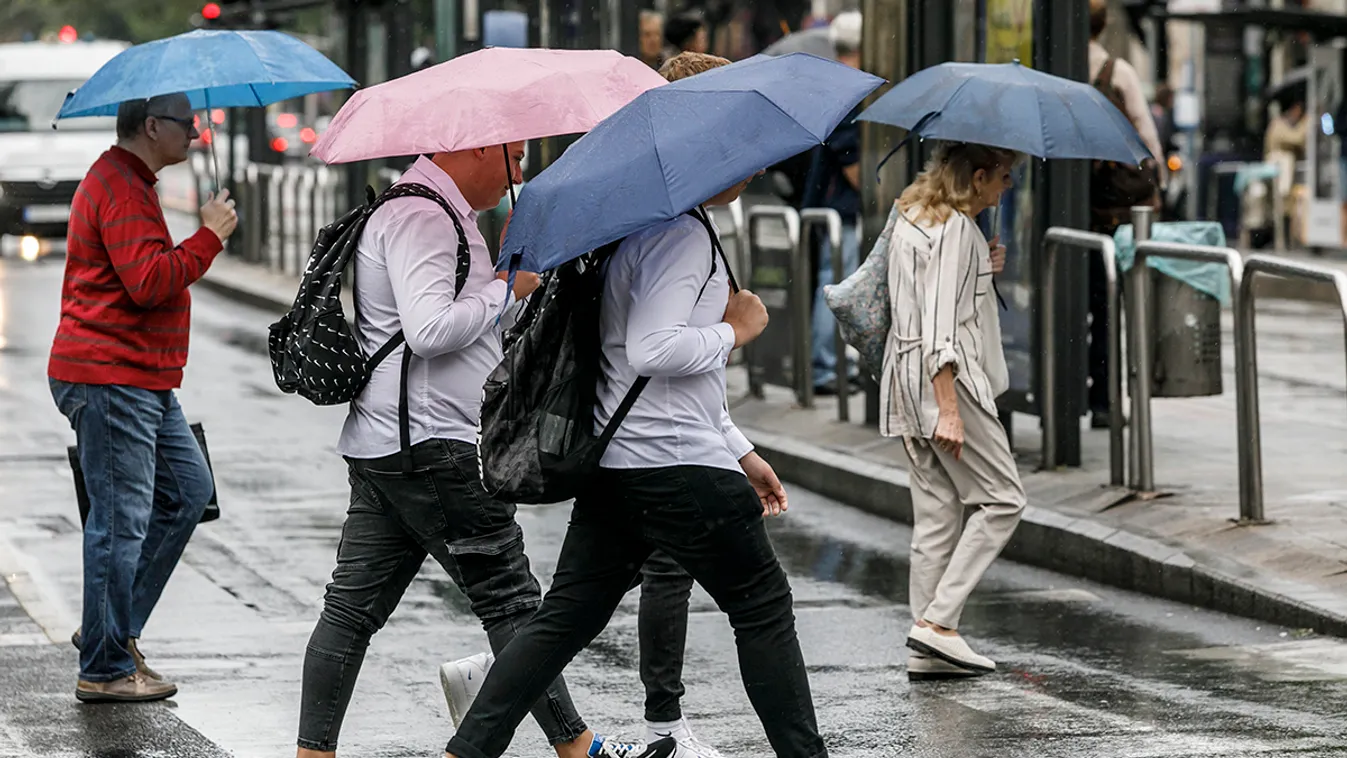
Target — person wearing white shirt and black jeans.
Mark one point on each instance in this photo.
(679, 478)
(406, 272)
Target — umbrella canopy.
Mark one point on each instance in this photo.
(215, 68)
(489, 97)
(673, 147)
(1009, 106)
(816, 41)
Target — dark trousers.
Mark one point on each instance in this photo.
(710, 522)
(394, 521)
(663, 623)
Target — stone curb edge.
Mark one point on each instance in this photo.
(1057, 542)
(1045, 538)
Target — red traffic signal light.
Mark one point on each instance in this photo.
(210, 11)
(67, 34)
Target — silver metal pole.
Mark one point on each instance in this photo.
(1248, 426)
(1141, 355)
(1115, 411)
(808, 218)
(1047, 364)
(791, 218)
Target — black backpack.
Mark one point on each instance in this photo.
(314, 352)
(538, 443)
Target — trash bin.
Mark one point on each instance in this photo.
(1186, 346)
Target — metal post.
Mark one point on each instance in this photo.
(798, 284)
(1143, 463)
(278, 189)
(1056, 238)
(833, 220)
(1250, 482)
(253, 223)
(1246, 360)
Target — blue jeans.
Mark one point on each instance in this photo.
(824, 325)
(148, 484)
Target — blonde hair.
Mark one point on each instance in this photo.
(946, 185)
(683, 65)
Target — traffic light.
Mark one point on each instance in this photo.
(210, 11)
(67, 34)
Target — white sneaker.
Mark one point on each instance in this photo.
(604, 747)
(461, 680)
(924, 668)
(926, 640)
(688, 744)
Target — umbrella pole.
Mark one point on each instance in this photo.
(509, 174)
(214, 159)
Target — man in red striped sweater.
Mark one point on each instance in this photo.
(118, 355)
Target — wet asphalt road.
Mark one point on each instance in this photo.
(1086, 670)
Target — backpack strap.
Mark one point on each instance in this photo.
(399, 338)
(637, 386)
(1105, 78)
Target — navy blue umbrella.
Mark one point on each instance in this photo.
(673, 148)
(1009, 106)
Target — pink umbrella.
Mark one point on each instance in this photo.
(489, 97)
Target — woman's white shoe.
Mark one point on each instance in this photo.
(952, 649)
(926, 668)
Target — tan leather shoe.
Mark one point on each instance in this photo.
(136, 688)
(141, 667)
(134, 645)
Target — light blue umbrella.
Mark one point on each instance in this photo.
(1009, 106)
(674, 147)
(215, 68)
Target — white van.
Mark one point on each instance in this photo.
(40, 168)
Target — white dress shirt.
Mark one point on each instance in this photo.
(406, 263)
(944, 314)
(653, 323)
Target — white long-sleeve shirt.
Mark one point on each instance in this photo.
(944, 314)
(652, 323)
(406, 264)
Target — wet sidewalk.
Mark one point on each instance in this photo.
(1183, 546)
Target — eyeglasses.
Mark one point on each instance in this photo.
(188, 124)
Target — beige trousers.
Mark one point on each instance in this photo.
(950, 556)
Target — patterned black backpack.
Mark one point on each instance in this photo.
(313, 349)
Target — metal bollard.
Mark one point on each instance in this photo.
(782, 293)
(1143, 464)
(255, 223)
(276, 239)
(833, 220)
(1054, 240)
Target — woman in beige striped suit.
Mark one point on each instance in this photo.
(943, 369)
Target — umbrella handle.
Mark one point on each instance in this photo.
(509, 174)
(916, 128)
(214, 159)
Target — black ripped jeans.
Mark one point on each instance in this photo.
(394, 521)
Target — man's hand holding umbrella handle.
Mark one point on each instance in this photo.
(218, 215)
(747, 315)
(525, 282)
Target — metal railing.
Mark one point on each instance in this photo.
(1250, 486)
(1251, 444)
(1056, 238)
(796, 299)
(832, 220)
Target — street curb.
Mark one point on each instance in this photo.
(244, 294)
(1075, 546)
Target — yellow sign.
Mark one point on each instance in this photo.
(1010, 31)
